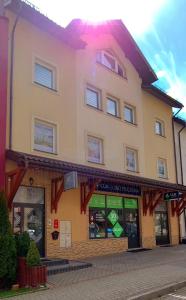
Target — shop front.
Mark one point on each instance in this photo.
(103, 213)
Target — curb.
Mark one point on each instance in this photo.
(159, 292)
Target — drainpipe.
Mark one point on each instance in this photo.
(180, 152)
(12, 49)
(4, 24)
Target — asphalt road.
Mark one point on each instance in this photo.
(177, 295)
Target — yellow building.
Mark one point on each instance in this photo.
(90, 152)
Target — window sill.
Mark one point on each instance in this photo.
(162, 136)
(97, 163)
(44, 86)
(161, 177)
(131, 171)
(92, 107)
(114, 116)
(130, 123)
(45, 152)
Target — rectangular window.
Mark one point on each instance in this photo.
(162, 168)
(95, 150)
(112, 107)
(129, 114)
(44, 76)
(159, 128)
(44, 136)
(93, 98)
(131, 160)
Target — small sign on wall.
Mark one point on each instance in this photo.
(65, 234)
(56, 223)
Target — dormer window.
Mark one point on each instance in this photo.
(108, 60)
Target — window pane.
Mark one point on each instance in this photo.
(128, 114)
(161, 168)
(108, 61)
(43, 76)
(158, 128)
(92, 98)
(94, 150)
(112, 107)
(96, 223)
(131, 160)
(44, 137)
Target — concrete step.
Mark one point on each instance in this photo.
(54, 262)
(71, 266)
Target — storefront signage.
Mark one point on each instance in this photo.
(172, 196)
(130, 203)
(118, 188)
(117, 230)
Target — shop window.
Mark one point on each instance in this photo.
(159, 128)
(95, 150)
(162, 168)
(107, 59)
(112, 107)
(44, 75)
(44, 136)
(131, 160)
(129, 114)
(93, 97)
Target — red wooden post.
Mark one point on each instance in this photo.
(3, 94)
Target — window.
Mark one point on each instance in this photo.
(162, 168)
(159, 128)
(93, 98)
(131, 160)
(107, 59)
(44, 136)
(129, 114)
(44, 76)
(95, 150)
(108, 216)
(112, 107)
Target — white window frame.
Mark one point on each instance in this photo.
(49, 67)
(160, 160)
(101, 59)
(135, 158)
(39, 147)
(91, 159)
(117, 114)
(96, 91)
(162, 128)
(133, 110)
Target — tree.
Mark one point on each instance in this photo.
(8, 255)
(33, 256)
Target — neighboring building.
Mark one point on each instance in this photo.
(80, 100)
(180, 145)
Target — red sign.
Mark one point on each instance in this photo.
(56, 223)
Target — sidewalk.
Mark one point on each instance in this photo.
(121, 276)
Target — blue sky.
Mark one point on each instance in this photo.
(158, 27)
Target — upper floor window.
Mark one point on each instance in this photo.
(129, 114)
(95, 149)
(44, 136)
(93, 97)
(162, 168)
(159, 128)
(112, 107)
(107, 59)
(44, 75)
(132, 160)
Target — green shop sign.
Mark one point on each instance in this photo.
(114, 202)
(117, 230)
(130, 203)
(113, 217)
(97, 201)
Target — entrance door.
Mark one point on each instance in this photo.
(161, 224)
(28, 214)
(131, 227)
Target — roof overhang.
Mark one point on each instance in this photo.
(151, 89)
(179, 121)
(55, 165)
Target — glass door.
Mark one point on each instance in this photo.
(161, 228)
(131, 227)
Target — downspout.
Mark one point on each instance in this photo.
(12, 48)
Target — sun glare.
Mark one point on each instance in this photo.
(137, 15)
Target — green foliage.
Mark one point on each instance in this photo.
(33, 256)
(8, 255)
(23, 244)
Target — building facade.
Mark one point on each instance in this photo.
(89, 148)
